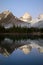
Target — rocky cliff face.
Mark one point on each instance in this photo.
(5, 18)
(5, 14)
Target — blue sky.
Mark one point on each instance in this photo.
(19, 7)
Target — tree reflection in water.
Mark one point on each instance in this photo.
(9, 44)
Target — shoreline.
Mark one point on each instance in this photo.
(37, 33)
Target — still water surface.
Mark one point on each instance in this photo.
(24, 51)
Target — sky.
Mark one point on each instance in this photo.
(19, 7)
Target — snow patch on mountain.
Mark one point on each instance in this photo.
(26, 17)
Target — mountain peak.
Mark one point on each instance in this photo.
(40, 16)
(26, 17)
(6, 12)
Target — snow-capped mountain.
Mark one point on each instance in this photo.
(26, 17)
(40, 16)
(4, 14)
(7, 19)
(38, 22)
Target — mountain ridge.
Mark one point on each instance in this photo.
(7, 19)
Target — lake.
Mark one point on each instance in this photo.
(21, 50)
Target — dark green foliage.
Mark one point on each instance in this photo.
(2, 29)
(17, 29)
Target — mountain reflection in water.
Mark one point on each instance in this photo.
(8, 46)
(21, 50)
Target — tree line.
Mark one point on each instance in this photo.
(17, 29)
